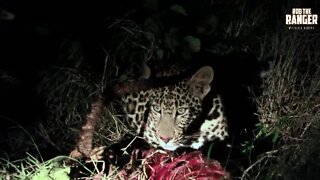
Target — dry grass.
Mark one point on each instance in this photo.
(291, 87)
(69, 88)
(111, 128)
(68, 95)
(289, 106)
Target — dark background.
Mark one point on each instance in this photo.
(33, 42)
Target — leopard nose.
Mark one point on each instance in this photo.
(165, 138)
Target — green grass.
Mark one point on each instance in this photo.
(31, 168)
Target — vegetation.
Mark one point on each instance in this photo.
(281, 141)
(289, 107)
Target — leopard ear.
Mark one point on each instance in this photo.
(201, 80)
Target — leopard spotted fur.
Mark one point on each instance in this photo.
(167, 116)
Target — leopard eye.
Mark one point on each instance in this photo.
(156, 108)
(181, 110)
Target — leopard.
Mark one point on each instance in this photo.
(174, 116)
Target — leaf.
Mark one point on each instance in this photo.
(193, 44)
(276, 135)
(171, 38)
(42, 173)
(208, 25)
(160, 53)
(150, 36)
(209, 151)
(179, 9)
(61, 173)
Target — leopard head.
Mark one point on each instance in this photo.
(173, 108)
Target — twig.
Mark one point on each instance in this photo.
(267, 155)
